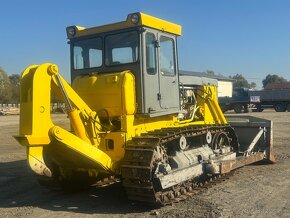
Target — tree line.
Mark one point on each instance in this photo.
(271, 80)
(10, 89)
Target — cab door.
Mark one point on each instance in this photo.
(150, 85)
(159, 72)
(168, 73)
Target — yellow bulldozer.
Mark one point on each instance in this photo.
(133, 117)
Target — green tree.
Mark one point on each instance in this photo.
(253, 85)
(5, 87)
(240, 81)
(210, 72)
(273, 79)
(15, 88)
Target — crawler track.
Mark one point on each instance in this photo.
(144, 152)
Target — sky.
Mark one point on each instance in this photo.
(248, 37)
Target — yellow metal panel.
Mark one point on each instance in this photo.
(209, 107)
(83, 148)
(28, 140)
(35, 117)
(128, 94)
(160, 24)
(117, 151)
(144, 20)
(114, 92)
(82, 31)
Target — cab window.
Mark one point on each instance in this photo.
(166, 52)
(121, 48)
(150, 53)
(88, 53)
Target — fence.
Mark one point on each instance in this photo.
(6, 109)
(9, 105)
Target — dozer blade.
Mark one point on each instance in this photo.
(254, 135)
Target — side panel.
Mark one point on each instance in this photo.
(112, 92)
(247, 127)
(272, 95)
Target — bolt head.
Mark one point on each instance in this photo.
(53, 69)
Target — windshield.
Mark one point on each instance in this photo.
(119, 48)
(88, 53)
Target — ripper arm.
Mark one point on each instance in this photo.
(37, 129)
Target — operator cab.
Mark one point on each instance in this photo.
(143, 44)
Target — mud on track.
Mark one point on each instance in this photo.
(253, 191)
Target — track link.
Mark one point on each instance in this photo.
(142, 155)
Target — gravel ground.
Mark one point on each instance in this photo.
(253, 191)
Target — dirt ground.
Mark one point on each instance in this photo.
(254, 191)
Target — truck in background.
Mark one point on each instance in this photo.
(238, 102)
(244, 99)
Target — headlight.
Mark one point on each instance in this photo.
(71, 31)
(135, 18)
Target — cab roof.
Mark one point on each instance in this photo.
(133, 20)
